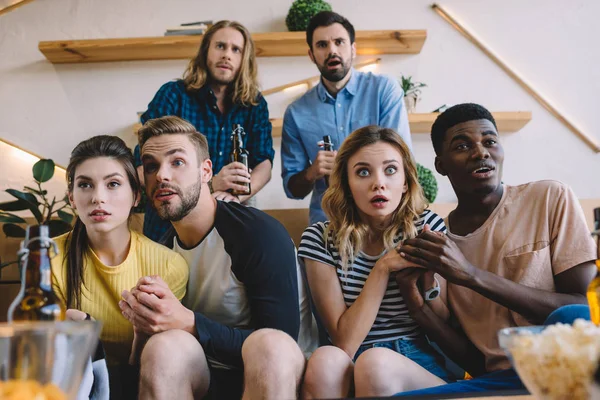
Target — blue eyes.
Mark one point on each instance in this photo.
(364, 172)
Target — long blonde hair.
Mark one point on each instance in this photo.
(245, 87)
(350, 232)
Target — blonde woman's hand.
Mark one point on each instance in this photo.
(393, 262)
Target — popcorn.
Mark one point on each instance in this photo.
(29, 390)
(558, 363)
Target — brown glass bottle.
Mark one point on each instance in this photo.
(239, 154)
(36, 301)
(327, 146)
(593, 292)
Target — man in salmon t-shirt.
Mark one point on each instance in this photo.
(512, 256)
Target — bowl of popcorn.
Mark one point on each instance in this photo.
(45, 360)
(555, 361)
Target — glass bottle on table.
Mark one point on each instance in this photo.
(239, 154)
(36, 300)
(593, 292)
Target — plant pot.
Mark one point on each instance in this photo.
(410, 102)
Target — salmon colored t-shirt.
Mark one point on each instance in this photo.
(537, 231)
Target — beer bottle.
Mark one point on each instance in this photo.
(593, 292)
(239, 154)
(327, 146)
(36, 300)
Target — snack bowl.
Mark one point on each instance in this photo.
(45, 360)
(556, 361)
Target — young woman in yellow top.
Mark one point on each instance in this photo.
(101, 256)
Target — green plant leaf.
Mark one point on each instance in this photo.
(43, 170)
(8, 217)
(8, 264)
(58, 227)
(17, 205)
(65, 216)
(31, 200)
(12, 230)
(35, 191)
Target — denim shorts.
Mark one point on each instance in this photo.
(418, 350)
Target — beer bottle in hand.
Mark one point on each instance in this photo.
(36, 300)
(593, 292)
(327, 146)
(239, 154)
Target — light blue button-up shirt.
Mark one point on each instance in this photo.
(367, 99)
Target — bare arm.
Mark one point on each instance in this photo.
(453, 342)
(442, 255)
(347, 326)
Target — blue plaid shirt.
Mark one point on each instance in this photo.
(200, 109)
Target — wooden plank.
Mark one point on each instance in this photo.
(590, 140)
(309, 81)
(271, 44)
(9, 5)
(510, 121)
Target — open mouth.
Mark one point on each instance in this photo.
(483, 171)
(334, 63)
(164, 194)
(99, 213)
(379, 200)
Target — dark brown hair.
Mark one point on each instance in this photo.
(77, 244)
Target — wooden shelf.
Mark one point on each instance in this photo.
(511, 121)
(271, 44)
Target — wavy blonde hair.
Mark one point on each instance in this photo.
(338, 203)
(245, 89)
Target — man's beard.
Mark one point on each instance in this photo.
(337, 75)
(189, 200)
(213, 79)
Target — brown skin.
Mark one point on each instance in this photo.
(466, 147)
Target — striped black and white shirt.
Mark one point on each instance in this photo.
(393, 320)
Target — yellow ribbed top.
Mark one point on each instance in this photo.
(104, 284)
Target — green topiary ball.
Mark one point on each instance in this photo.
(428, 183)
(302, 11)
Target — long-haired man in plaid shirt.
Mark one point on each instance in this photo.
(219, 89)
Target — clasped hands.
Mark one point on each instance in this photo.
(435, 253)
(152, 308)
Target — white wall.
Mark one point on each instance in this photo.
(50, 108)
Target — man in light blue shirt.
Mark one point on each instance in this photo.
(343, 101)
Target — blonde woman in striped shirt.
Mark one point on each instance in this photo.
(374, 202)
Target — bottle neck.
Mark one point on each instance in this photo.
(38, 272)
(237, 141)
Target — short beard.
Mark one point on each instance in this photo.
(335, 76)
(189, 200)
(212, 79)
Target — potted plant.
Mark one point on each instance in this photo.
(54, 213)
(412, 92)
(428, 183)
(302, 11)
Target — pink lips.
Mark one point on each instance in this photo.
(99, 215)
(379, 201)
(164, 194)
